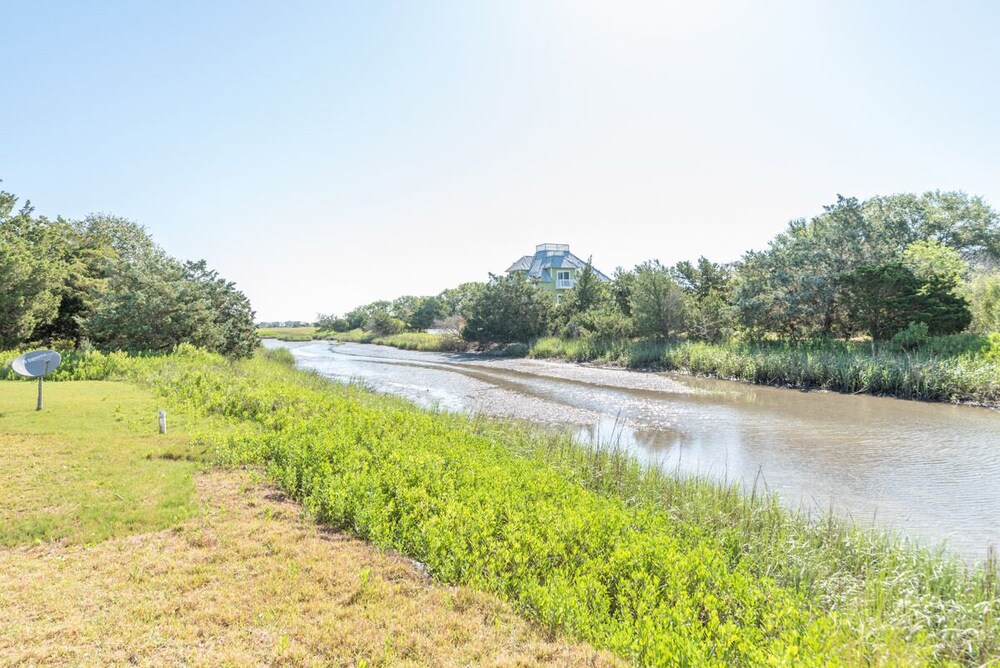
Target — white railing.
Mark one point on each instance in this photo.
(564, 283)
(552, 247)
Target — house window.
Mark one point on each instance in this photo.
(563, 279)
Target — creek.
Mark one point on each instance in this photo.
(931, 471)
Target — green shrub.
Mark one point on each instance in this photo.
(912, 336)
(662, 570)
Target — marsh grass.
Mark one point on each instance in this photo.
(421, 341)
(288, 333)
(964, 368)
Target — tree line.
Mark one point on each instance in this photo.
(102, 281)
(905, 266)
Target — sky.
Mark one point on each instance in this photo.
(324, 154)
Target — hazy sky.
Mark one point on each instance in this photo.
(324, 154)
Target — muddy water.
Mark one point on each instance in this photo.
(929, 470)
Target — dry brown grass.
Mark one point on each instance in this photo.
(248, 581)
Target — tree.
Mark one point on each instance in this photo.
(954, 219)
(357, 317)
(233, 316)
(983, 294)
(153, 306)
(709, 287)
(458, 300)
(794, 288)
(930, 260)
(508, 308)
(32, 272)
(332, 323)
(426, 310)
(657, 302)
(883, 299)
(588, 292)
(380, 323)
(621, 290)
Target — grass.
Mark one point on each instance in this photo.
(421, 341)
(955, 369)
(119, 545)
(248, 581)
(660, 570)
(288, 333)
(91, 465)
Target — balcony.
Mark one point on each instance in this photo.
(564, 283)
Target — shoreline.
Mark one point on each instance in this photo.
(655, 367)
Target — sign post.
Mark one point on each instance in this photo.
(37, 364)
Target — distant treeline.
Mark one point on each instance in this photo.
(103, 282)
(284, 323)
(904, 266)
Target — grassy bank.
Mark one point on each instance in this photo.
(660, 570)
(288, 333)
(120, 546)
(956, 369)
(406, 341)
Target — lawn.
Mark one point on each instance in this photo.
(91, 465)
(121, 546)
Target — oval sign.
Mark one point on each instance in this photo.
(36, 363)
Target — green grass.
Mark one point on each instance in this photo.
(421, 341)
(956, 369)
(354, 336)
(662, 570)
(90, 465)
(288, 333)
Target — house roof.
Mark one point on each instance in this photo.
(547, 257)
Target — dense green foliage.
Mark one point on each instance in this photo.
(983, 293)
(901, 269)
(509, 308)
(857, 269)
(662, 570)
(102, 280)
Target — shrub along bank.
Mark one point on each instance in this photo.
(660, 570)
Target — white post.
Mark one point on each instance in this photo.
(163, 421)
(38, 407)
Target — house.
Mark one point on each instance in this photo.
(554, 267)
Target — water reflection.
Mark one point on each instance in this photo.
(931, 470)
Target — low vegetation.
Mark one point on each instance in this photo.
(305, 333)
(421, 341)
(658, 569)
(964, 368)
(91, 465)
(120, 546)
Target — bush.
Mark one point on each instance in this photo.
(662, 570)
(508, 309)
(381, 323)
(912, 336)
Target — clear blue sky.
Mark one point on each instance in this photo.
(325, 154)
